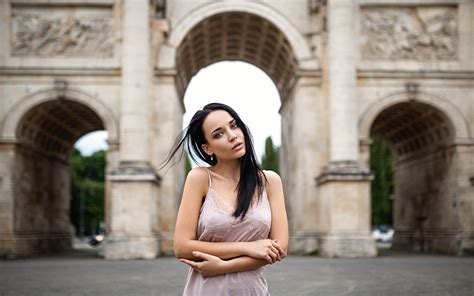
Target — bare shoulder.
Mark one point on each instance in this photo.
(274, 180)
(198, 179)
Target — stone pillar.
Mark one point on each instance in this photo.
(303, 152)
(462, 201)
(168, 109)
(7, 213)
(136, 80)
(134, 185)
(344, 188)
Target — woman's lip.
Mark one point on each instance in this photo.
(238, 146)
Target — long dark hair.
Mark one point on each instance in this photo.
(251, 175)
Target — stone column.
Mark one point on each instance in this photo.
(168, 109)
(135, 87)
(302, 154)
(463, 241)
(134, 185)
(344, 187)
(7, 200)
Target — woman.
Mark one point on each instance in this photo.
(232, 219)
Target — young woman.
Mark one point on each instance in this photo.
(232, 219)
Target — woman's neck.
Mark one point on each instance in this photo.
(228, 169)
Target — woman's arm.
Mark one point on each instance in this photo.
(212, 265)
(186, 225)
(279, 228)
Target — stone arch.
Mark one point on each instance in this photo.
(43, 128)
(453, 113)
(259, 28)
(298, 46)
(27, 103)
(422, 132)
(297, 41)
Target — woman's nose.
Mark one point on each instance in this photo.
(232, 136)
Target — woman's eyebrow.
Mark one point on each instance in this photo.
(219, 128)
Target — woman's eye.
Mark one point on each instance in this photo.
(234, 125)
(217, 135)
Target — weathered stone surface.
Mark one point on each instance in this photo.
(55, 31)
(345, 70)
(411, 32)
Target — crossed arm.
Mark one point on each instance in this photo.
(215, 258)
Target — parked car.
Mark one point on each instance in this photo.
(383, 233)
(95, 240)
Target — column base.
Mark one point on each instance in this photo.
(303, 243)
(121, 248)
(24, 245)
(347, 246)
(134, 213)
(344, 190)
(439, 242)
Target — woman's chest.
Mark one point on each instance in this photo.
(216, 222)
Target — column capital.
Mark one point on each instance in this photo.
(345, 170)
(134, 171)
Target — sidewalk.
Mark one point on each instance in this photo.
(83, 273)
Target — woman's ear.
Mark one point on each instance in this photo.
(206, 149)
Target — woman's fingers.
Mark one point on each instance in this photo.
(273, 255)
(191, 263)
(203, 256)
(274, 250)
(269, 259)
(279, 248)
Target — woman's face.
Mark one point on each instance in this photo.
(224, 138)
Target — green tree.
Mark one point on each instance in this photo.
(381, 164)
(187, 165)
(87, 183)
(271, 156)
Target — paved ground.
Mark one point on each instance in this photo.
(83, 273)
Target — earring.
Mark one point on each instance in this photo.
(212, 157)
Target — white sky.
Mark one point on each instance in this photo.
(244, 87)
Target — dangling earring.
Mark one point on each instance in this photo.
(212, 157)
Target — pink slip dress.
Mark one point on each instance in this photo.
(216, 224)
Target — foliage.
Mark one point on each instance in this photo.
(271, 156)
(381, 164)
(87, 182)
(187, 165)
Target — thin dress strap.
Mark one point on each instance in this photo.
(210, 179)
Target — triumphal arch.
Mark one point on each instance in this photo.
(345, 70)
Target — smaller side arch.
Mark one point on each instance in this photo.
(452, 112)
(18, 111)
(298, 43)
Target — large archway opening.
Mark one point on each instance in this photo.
(229, 36)
(45, 138)
(237, 36)
(420, 138)
(245, 88)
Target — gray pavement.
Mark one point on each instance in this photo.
(84, 273)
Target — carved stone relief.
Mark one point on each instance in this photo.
(62, 31)
(420, 33)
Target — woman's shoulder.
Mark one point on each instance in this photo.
(198, 173)
(273, 185)
(272, 178)
(198, 176)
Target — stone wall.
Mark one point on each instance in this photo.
(339, 66)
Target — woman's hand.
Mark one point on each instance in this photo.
(266, 249)
(210, 266)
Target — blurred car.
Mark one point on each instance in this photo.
(383, 233)
(96, 240)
